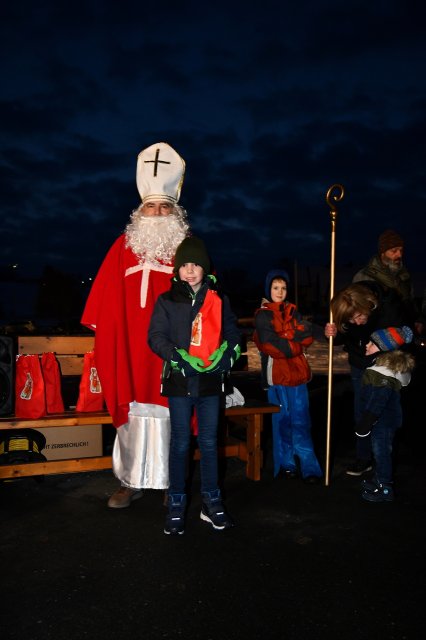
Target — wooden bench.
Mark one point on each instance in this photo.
(69, 351)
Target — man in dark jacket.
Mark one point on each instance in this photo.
(387, 268)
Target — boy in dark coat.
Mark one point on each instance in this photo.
(381, 413)
(195, 333)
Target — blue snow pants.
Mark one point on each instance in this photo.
(291, 431)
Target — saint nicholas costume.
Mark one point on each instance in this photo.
(119, 309)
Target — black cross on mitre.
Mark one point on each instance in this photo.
(157, 161)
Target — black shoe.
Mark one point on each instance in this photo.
(285, 473)
(370, 485)
(311, 480)
(382, 493)
(290, 474)
(359, 467)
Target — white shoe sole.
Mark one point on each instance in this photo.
(169, 533)
(207, 519)
(359, 473)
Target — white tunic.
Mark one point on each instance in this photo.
(140, 457)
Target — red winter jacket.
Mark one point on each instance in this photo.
(282, 334)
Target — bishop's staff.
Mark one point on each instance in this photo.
(334, 194)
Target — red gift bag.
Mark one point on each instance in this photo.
(30, 400)
(52, 383)
(91, 397)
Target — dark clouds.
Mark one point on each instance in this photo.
(269, 105)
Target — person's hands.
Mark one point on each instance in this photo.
(330, 330)
(217, 356)
(185, 363)
(223, 358)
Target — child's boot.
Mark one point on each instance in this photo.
(370, 484)
(213, 511)
(175, 519)
(377, 491)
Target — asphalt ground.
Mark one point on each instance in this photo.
(302, 561)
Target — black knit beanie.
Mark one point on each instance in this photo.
(192, 250)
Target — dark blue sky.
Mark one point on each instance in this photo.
(269, 104)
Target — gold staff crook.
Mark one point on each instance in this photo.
(334, 195)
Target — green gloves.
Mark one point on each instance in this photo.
(188, 365)
(223, 359)
(217, 356)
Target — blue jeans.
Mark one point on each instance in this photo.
(363, 445)
(207, 409)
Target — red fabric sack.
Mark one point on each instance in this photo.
(91, 397)
(52, 383)
(30, 400)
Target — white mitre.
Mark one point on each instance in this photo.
(159, 173)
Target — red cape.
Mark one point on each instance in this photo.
(127, 368)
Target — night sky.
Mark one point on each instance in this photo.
(269, 104)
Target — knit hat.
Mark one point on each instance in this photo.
(388, 240)
(391, 338)
(159, 173)
(192, 249)
(271, 275)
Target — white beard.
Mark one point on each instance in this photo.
(155, 239)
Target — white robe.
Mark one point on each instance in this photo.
(140, 457)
